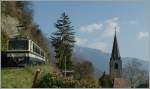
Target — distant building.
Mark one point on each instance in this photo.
(115, 64)
(120, 83)
(114, 79)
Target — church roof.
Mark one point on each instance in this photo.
(121, 83)
(115, 50)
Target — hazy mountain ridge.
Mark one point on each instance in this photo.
(100, 59)
(97, 57)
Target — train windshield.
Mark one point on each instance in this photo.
(18, 45)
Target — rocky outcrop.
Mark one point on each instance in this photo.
(8, 24)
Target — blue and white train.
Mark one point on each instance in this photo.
(25, 51)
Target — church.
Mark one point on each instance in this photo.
(115, 64)
(114, 78)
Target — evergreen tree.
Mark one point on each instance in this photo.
(63, 42)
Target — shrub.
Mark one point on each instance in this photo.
(56, 81)
(49, 80)
(87, 84)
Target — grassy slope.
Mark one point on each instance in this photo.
(21, 77)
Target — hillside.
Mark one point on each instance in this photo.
(20, 13)
(14, 14)
(21, 77)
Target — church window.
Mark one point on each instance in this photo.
(116, 66)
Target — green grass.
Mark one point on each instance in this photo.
(21, 77)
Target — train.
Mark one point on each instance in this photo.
(23, 51)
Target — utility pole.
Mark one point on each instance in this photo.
(65, 66)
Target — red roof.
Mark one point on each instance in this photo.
(121, 83)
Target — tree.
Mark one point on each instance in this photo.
(25, 8)
(134, 73)
(63, 42)
(84, 70)
(105, 81)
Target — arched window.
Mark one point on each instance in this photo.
(116, 66)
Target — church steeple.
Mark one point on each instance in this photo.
(115, 60)
(115, 50)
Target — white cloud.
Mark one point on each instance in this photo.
(133, 22)
(99, 45)
(110, 26)
(80, 41)
(115, 18)
(91, 27)
(142, 35)
(105, 29)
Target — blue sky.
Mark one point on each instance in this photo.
(94, 24)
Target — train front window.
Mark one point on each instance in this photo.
(18, 45)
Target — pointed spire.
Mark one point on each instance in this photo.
(115, 31)
(104, 73)
(115, 50)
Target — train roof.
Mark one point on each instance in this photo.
(19, 38)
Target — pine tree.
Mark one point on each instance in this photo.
(63, 42)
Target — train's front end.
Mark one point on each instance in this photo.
(18, 51)
(22, 51)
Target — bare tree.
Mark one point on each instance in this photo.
(84, 70)
(133, 72)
